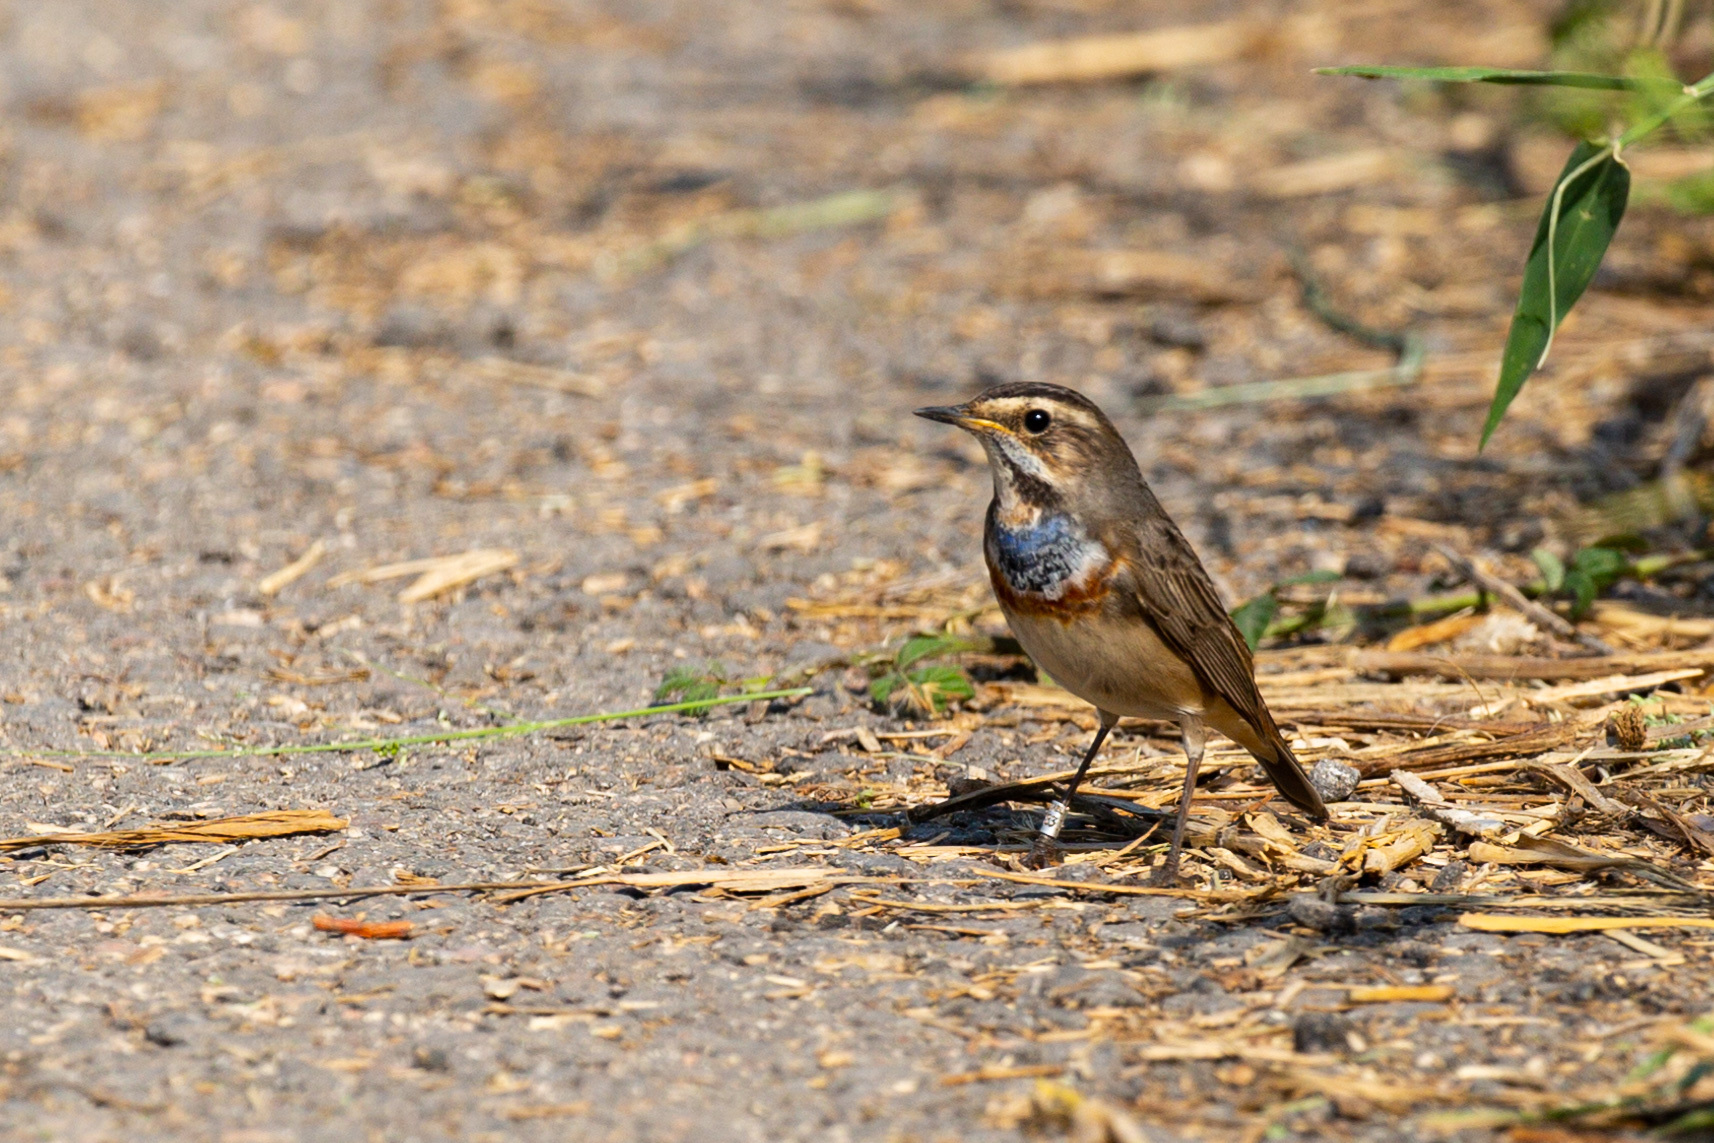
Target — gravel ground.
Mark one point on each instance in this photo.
(407, 280)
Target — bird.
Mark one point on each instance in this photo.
(1107, 596)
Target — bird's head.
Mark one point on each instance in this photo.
(1049, 447)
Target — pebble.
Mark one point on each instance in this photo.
(1334, 780)
(1314, 1032)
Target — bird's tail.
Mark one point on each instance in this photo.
(1269, 748)
(1285, 772)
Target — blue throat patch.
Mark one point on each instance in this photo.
(1040, 558)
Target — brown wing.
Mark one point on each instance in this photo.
(1179, 600)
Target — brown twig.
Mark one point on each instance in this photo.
(1515, 599)
(1672, 824)
(739, 881)
(1530, 742)
(1133, 890)
(1396, 720)
(151, 901)
(247, 827)
(1563, 855)
(1508, 668)
(1572, 779)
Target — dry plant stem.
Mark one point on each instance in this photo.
(148, 901)
(517, 890)
(1698, 841)
(1642, 900)
(514, 730)
(1505, 668)
(1529, 742)
(1390, 720)
(1572, 779)
(1563, 855)
(248, 827)
(1578, 924)
(1515, 599)
(1132, 890)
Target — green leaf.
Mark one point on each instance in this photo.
(1602, 565)
(1509, 76)
(1253, 616)
(1584, 210)
(919, 647)
(881, 689)
(1552, 568)
(1583, 590)
(928, 689)
(941, 685)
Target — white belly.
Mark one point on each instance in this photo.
(1122, 668)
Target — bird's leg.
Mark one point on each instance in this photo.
(1044, 850)
(1195, 737)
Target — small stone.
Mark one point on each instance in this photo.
(1082, 872)
(173, 1029)
(957, 787)
(1450, 876)
(1364, 565)
(822, 826)
(1179, 330)
(1312, 912)
(1334, 780)
(431, 1060)
(1316, 1032)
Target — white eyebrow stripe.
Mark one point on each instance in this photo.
(1018, 405)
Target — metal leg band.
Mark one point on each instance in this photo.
(1054, 820)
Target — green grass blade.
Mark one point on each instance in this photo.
(1582, 214)
(1509, 76)
(511, 730)
(1253, 616)
(1309, 578)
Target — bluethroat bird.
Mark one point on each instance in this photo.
(1106, 594)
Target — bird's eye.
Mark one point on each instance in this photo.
(1037, 420)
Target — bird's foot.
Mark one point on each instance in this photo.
(1165, 877)
(1044, 851)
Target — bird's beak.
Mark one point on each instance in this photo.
(958, 415)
